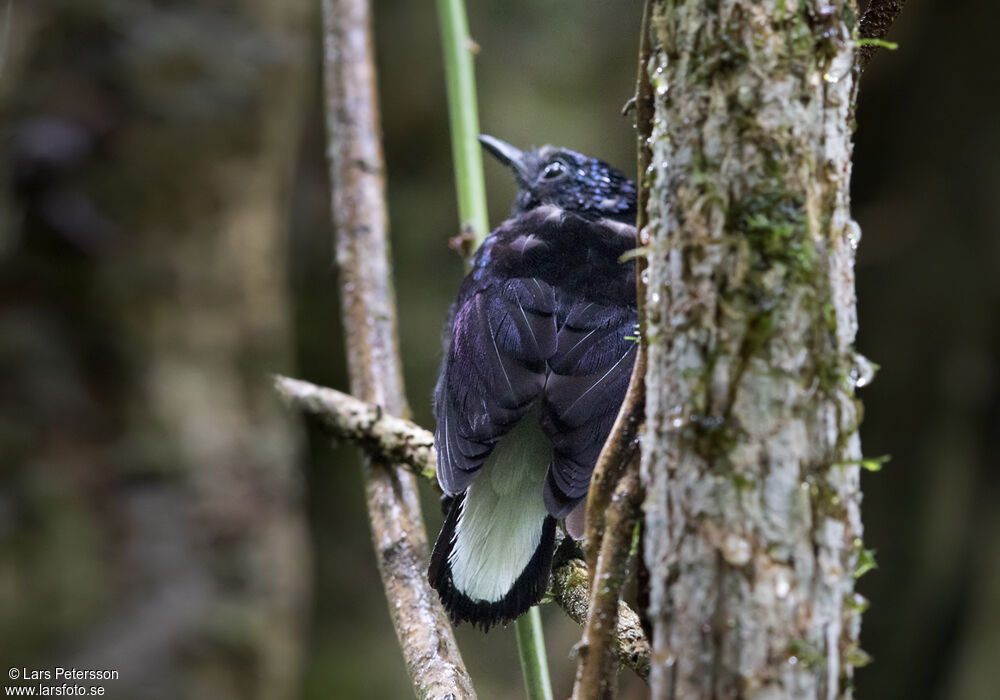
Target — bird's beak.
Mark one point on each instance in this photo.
(512, 157)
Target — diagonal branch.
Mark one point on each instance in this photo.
(614, 494)
(595, 676)
(570, 590)
(387, 437)
(617, 452)
(369, 316)
(622, 441)
(392, 439)
(874, 24)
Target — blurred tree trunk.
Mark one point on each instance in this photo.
(751, 452)
(150, 508)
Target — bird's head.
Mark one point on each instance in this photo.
(566, 179)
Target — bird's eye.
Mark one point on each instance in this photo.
(553, 170)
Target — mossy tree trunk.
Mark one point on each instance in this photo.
(148, 471)
(751, 450)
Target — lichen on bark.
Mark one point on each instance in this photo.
(751, 447)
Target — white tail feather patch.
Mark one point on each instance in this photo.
(502, 515)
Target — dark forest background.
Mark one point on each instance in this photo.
(165, 244)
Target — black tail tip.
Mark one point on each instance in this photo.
(527, 590)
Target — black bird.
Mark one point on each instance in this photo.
(539, 349)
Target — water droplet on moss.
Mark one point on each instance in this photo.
(863, 371)
(853, 235)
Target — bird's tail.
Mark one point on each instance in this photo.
(491, 561)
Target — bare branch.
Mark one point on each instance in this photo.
(393, 439)
(569, 588)
(595, 677)
(619, 449)
(369, 315)
(385, 436)
(613, 497)
(621, 442)
(875, 23)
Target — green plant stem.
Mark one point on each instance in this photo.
(531, 648)
(470, 188)
(460, 79)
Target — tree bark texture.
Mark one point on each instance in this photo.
(149, 468)
(751, 452)
(369, 316)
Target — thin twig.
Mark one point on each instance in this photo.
(369, 316)
(617, 452)
(874, 24)
(348, 418)
(614, 496)
(621, 442)
(595, 676)
(644, 113)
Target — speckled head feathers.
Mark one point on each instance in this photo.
(572, 181)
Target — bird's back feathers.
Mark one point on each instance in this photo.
(557, 338)
(539, 351)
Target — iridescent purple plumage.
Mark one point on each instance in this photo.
(542, 330)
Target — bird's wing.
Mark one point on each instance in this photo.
(589, 373)
(501, 336)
